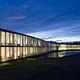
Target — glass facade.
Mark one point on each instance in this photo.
(14, 45)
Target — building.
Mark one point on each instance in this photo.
(68, 46)
(16, 45)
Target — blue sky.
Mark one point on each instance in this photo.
(46, 19)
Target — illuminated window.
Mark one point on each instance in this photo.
(3, 53)
(29, 41)
(18, 51)
(9, 52)
(15, 40)
(26, 50)
(24, 41)
(35, 42)
(19, 40)
(39, 43)
(11, 39)
(21, 51)
(2, 38)
(31, 50)
(7, 38)
(15, 52)
(32, 41)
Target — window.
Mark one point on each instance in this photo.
(29, 41)
(15, 52)
(32, 41)
(7, 38)
(15, 40)
(19, 40)
(3, 53)
(9, 52)
(39, 43)
(34, 50)
(24, 41)
(31, 50)
(35, 42)
(24, 51)
(21, 51)
(11, 39)
(2, 38)
(18, 51)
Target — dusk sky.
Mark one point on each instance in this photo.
(45, 19)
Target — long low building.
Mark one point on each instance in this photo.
(15, 45)
(68, 46)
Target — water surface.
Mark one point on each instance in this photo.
(62, 53)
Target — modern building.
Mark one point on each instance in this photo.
(69, 46)
(16, 45)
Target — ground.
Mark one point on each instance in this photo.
(67, 68)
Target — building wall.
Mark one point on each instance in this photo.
(69, 47)
(15, 46)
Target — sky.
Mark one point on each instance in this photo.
(52, 20)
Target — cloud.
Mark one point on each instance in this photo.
(58, 34)
(55, 27)
(17, 17)
(65, 39)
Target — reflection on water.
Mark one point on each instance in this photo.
(62, 53)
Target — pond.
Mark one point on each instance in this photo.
(61, 54)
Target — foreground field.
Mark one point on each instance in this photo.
(67, 68)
